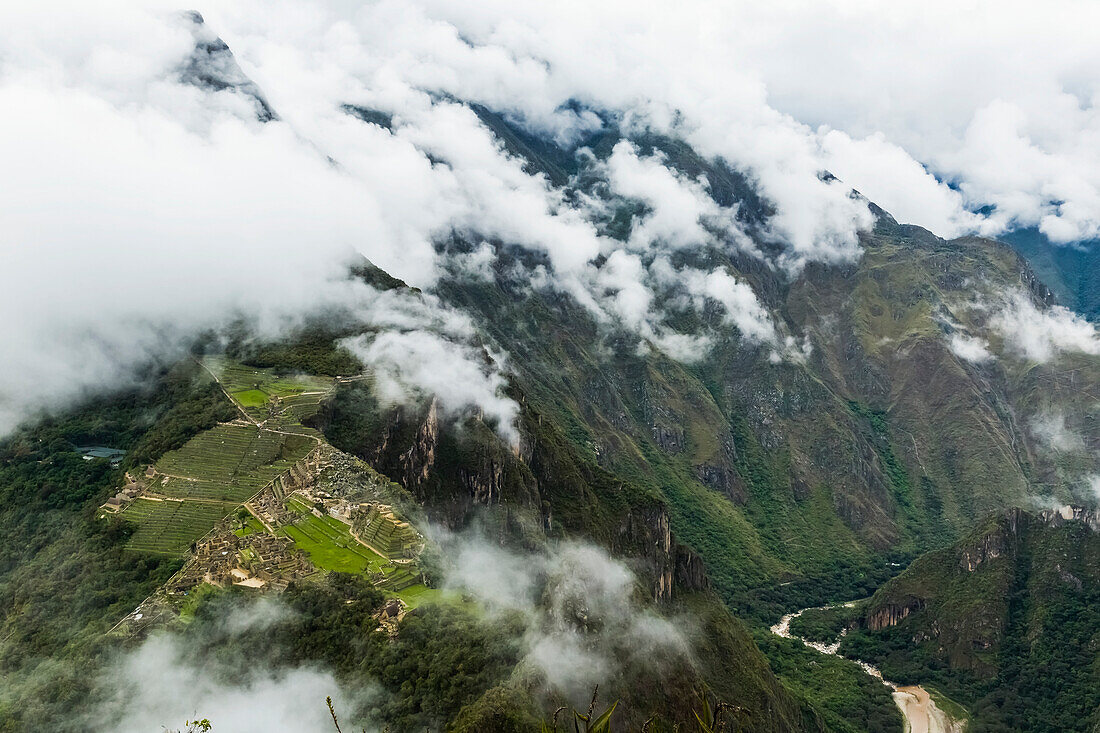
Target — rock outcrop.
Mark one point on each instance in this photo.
(670, 567)
(892, 613)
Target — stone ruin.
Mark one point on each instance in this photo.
(257, 560)
(130, 491)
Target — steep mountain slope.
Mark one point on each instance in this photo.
(51, 495)
(870, 441)
(1070, 271)
(760, 434)
(1006, 619)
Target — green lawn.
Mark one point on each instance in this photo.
(251, 397)
(418, 595)
(331, 546)
(237, 377)
(251, 526)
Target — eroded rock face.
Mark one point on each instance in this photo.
(892, 614)
(722, 478)
(992, 546)
(669, 566)
(418, 460)
(1071, 513)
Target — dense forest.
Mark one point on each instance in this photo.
(64, 577)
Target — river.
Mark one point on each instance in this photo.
(917, 707)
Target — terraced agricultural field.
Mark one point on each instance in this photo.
(211, 475)
(229, 462)
(264, 394)
(329, 542)
(331, 546)
(251, 397)
(416, 595)
(169, 527)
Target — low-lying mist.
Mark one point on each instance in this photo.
(556, 621)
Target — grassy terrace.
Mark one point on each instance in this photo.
(211, 475)
(262, 391)
(169, 527)
(251, 397)
(332, 547)
(251, 526)
(225, 466)
(229, 463)
(329, 542)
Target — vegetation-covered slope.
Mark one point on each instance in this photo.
(739, 482)
(78, 576)
(797, 480)
(1006, 620)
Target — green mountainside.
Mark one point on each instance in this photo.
(1007, 621)
(54, 625)
(796, 482)
(736, 486)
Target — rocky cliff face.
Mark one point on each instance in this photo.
(892, 614)
(992, 545)
(670, 567)
(419, 459)
(1090, 517)
(212, 66)
(455, 471)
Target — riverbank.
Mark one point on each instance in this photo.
(919, 710)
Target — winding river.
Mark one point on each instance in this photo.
(917, 707)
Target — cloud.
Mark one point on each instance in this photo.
(407, 365)
(161, 684)
(536, 62)
(742, 309)
(141, 205)
(1004, 109)
(1041, 334)
(895, 181)
(582, 615)
(969, 348)
(681, 212)
(1050, 428)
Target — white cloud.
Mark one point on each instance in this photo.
(680, 210)
(136, 210)
(1000, 101)
(160, 685)
(970, 348)
(1041, 334)
(411, 364)
(477, 264)
(742, 308)
(898, 183)
(1050, 427)
(534, 60)
(581, 610)
(419, 348)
